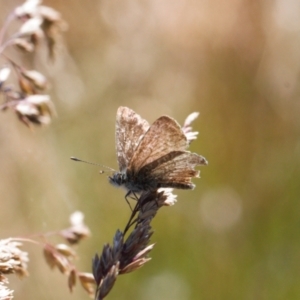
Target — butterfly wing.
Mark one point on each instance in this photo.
(130, 128)
(174, 170)
(163, 136)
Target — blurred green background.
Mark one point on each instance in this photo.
(236, 236)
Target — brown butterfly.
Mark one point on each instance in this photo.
(152, 157)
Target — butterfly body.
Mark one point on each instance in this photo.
(151, 157)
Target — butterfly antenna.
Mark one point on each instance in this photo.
(94, 164)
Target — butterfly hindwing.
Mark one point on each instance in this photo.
(175, 169)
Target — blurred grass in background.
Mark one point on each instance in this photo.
(236, 236)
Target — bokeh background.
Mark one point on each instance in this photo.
(236, 236)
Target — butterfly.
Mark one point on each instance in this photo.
(152, 157)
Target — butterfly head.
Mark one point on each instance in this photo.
(118, 179)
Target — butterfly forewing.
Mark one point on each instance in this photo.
(164, 136)
(130, 128)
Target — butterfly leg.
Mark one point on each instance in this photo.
(127, 195)
(135, 197)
